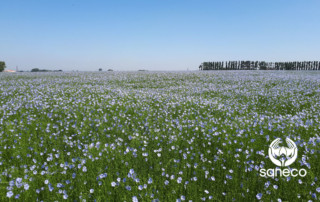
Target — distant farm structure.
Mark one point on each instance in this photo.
(260, 65)
(9, 70)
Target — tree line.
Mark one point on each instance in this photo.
(260, 65)
(44, 70)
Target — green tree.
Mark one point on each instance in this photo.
(2, 66)
(263, 65)
(35, 70)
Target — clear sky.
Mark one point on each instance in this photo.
(155, 34)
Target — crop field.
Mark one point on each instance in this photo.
(162, 136)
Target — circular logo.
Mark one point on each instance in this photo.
(283, 156)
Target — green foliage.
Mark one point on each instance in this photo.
(44, 70)
(260, 65)
(2, 66)
(263, 65)
(35, 70)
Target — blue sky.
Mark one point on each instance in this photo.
(155, 34)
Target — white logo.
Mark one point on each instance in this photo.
(283, 156)
(287, 155)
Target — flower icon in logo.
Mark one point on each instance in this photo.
(283, 156)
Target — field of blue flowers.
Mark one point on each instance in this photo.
(162, 136)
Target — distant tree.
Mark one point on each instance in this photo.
(205, 66)
(110, 70)
(35, 70)
(247, 64)
(100, 69)
(2, 66)
(256, 65)
(251, 64)
(263, 65)
(241, 65)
